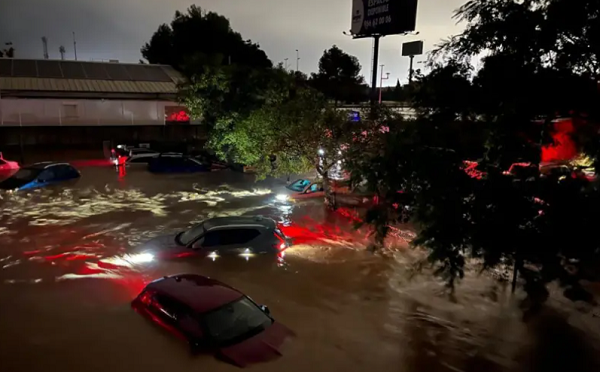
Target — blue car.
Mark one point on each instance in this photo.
(173, 163)
(40, 175)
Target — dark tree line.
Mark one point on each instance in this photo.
(540, 65)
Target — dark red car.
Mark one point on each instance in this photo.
(213, 317)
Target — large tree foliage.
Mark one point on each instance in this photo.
(225, 94)
(197, 38)
(292, 125)
(339, 77)
(537, 66)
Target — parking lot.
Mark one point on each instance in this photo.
(66, 286)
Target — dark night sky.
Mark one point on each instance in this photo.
(116, 29)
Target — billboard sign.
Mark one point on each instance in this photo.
(383, 17)
(413, 48)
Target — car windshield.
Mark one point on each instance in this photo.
(299, 185)
(25, 174)
(188, 236)
(236, 321)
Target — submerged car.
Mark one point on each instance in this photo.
(221, 236)
(213, 317)
(301, 189)
(40, 175)
(176, 163)
(140, 156)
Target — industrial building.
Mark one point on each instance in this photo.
(72, 104)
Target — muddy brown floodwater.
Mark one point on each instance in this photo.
(66, 285)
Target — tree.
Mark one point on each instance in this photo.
(197, 39)
(8, 52)
(293, 126)
(530, 77)
(339, 76)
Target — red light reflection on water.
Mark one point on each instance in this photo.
(307, 231)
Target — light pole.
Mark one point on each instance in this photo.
(381, 81)
(297, 60)
(286, 63)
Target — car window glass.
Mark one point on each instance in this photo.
(212, 239)
(46, 175)
(236, 320)
(230, 237)
(139, 160)
(62, 171)
(172, 307)
(26, 174)
(298, 185)
(314, 188)
(191, 234)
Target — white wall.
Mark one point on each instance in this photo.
(57, 112)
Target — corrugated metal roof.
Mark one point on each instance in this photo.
(81, 85)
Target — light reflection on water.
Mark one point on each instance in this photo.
(68, 273)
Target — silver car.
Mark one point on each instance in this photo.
(221, 236)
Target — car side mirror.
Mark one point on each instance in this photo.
(265, 309)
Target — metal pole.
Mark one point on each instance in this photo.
(21, 138)
(374, 77)
(74, 45)
(297, 60)
(411, 71)
(381, 83)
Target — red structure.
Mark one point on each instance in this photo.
(563, 148)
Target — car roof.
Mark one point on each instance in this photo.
(239, 221)
(142, 149)
(200, 293)
(45, 164)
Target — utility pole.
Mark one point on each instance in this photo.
(45, 46)
(381, 82)
(411, 71)
(374, 77)
(74, 45)
(297, 60)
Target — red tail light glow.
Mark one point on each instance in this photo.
(282, 245)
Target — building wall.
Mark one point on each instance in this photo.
(15, 112)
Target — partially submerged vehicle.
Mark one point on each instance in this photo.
(213, 317)
(176, 163)
(40, 175)
(301, 189)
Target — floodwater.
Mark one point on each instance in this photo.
(66, 283)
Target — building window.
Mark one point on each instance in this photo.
(70, 111)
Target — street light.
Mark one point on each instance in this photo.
(297, 60)
(381, 82)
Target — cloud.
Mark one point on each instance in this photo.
(116, 29)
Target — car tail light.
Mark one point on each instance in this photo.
(282, 243)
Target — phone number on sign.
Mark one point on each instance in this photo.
(378, 21)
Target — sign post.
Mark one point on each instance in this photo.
(412, 49)
(377, 18)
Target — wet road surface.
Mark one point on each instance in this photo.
(67, 279)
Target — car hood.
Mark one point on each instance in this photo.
(13, 183)
(263, 347)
